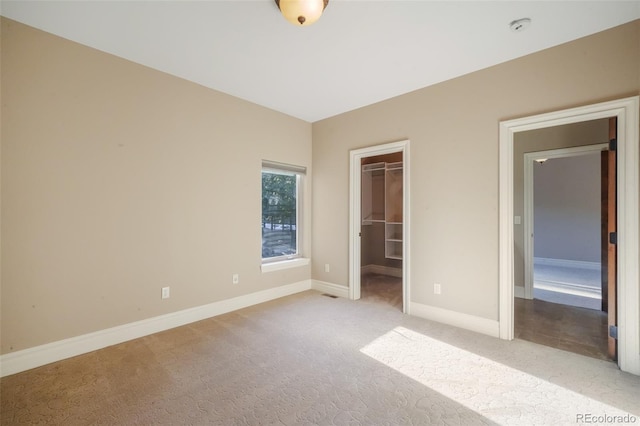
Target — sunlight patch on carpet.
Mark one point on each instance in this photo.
(497, 392)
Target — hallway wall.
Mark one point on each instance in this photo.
(567, 208)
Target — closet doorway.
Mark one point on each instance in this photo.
(379, 224)
(381, 231)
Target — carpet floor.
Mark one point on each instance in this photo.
(309, 359)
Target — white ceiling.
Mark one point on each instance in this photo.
(358, 53)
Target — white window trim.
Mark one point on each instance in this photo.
(285, 264)
(298, 259)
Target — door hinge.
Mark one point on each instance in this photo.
(613, 238)
(613, 144)
(613, 331)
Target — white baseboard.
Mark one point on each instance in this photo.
(519, 292)
(382, 270)
(330, 288)
(26, 359)
(579, 264)
(456, 319)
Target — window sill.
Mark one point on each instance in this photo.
(285, 264)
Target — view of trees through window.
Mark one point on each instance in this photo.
(279, 214)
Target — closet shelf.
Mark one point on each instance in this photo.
(382, 191)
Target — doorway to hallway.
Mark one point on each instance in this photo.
(563, 238)
(563, 216)
(626, 173)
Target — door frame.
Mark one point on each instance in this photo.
(627, 111)
(530, 159)
(355, 219)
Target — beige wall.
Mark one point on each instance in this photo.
(453, 128)
(118, 180)
(566, 136)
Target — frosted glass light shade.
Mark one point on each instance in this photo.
(302, 12)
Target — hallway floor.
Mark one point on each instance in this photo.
(573, 329)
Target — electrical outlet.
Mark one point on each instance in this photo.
(437, 288)
(327, 268)
(165, 292)
(235, 279)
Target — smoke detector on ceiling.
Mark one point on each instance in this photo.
(520, 25)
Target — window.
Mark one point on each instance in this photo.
(281, 211)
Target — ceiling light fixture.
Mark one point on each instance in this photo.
(540, 160)
(302, 12)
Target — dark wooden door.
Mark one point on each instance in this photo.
(609, 250)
